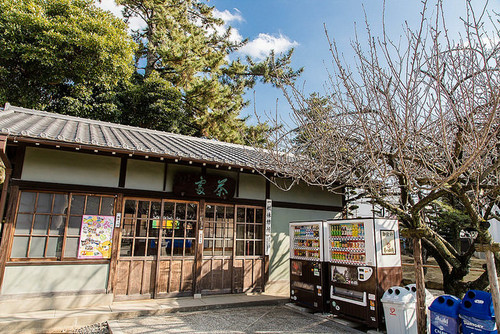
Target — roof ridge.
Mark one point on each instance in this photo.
(12, 108)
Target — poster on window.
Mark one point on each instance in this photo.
(388, 242)
(95, 237)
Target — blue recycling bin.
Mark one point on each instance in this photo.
(444, 315)
(476, 313)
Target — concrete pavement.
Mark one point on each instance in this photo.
(256, 319)
(52, 320)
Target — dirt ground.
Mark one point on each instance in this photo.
(433, 277)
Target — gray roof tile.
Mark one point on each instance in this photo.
(34, 124)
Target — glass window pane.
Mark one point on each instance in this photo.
(126, 247)
(41, 225)
(74, 225)
(27, 203)
(219, 212)
(37, 247)
(258, 248)
(152, 247)
(250, 231)
(143, 209)
(210, 212)
(141, 228)
(179, 229)
(154, 227)
(155, 210)
(259, 216)
(209, 230)
(240, 215)
(228, 247)
(189, 251)
(180, 211)
(140, 247)
(57, 225)
(190, 226)
(250, 215)
(77, 203)
(71, 248)
(207, 247)
(128, 227)
(240, 231)
(107, 206)
(166, 247)
(19, 247)
(230, 213)
(178, 247)
(168, 210)
(54, 247)
(240, 247)
(92, 207)
(192, 211)
(258, 232)
(249, 248)
(229, 231)
(60, 204)
(219, 230)
(23, 224)
(169, 230)
(218, 247)
(44, 204)
(130, 207)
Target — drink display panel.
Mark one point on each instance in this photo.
(347, 243)
(306, 243)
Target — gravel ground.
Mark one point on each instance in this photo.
(257, 319)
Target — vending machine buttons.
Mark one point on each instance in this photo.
(364, 273)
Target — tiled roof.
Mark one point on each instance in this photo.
(45, 126)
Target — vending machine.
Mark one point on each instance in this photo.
(308, 271)
(364, 260)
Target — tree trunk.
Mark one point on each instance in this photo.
(492, 276)
(421, 308)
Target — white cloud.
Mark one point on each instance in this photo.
(110, 5)
(261, 47)
(227, 16)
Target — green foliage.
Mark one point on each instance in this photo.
(46, 46)
(448, 218)
(182, 44)
(71, 57)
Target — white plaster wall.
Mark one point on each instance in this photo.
(48, 165)
(252, 186)
(55, 278)
(147, 175)
(279, 271)
(305, 195)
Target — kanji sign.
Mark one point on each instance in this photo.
(208, 186)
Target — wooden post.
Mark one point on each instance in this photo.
(421, 308)
(115, 246)
(493, 278)
(8, 232)
(198, 262)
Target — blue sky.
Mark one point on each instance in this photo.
(282, 24)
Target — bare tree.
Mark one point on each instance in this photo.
(415, 120)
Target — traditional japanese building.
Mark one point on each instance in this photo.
(95, 212)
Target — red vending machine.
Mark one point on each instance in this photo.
(364, 260)
(308, 271)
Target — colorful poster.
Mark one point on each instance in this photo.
(95, 237)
